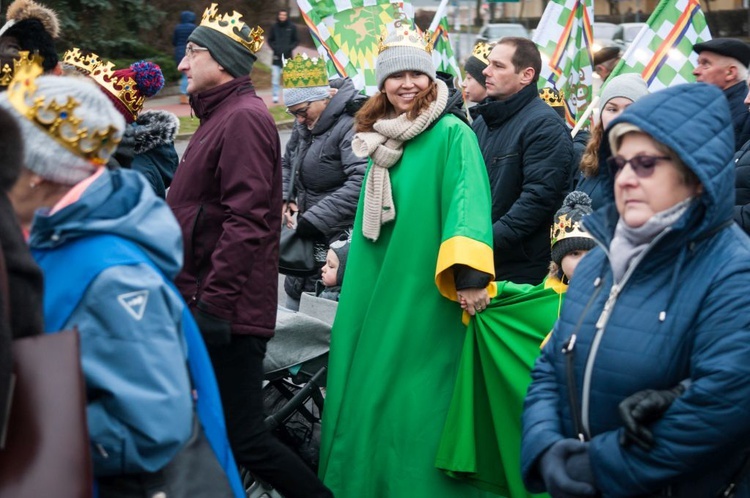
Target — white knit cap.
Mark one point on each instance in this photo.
(396, 59)
(294, 96)
(42, 153)
(628, 85)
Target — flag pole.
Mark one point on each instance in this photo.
(438, 15)
(585, 116)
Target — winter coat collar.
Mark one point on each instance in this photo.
(155, 128)
(336, 106)
(206, 103)
(497, 112)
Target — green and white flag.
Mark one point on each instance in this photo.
(346, 33)
(662, 53)
(443, 55)
(564, 38)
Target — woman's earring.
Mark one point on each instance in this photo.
(32, 185)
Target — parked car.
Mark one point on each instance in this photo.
(492, 32)
(626, 33)
(603, 35)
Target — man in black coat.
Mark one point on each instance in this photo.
(723, 62)
(282, 39)
(528, 151)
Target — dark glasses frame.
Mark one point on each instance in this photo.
(299, 113)
(642, 164)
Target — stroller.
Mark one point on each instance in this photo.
(295, 369)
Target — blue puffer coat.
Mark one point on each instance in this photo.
(683, 312)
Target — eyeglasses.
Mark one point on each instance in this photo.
(191, 50)
(643, 165)
(299, 113)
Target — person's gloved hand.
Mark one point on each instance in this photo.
(307, 230)
(215, 331)
(556, 467)
(642, 408)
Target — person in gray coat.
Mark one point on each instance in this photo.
(328, 178)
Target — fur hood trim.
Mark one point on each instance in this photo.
(155, 128)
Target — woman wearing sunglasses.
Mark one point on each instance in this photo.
(662, 301)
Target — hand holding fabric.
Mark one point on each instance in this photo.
(566, 470)
(643, 408)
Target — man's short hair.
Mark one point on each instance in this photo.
(526, 55)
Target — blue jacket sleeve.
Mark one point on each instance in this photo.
(541, 416)
(134, 363)
(710, 418)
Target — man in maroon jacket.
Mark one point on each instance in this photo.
(226, 195)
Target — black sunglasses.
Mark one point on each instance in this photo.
(643, 165)
(299, 113)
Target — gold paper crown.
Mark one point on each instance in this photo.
(565, 228)
(301, 72)
(58, 120)
(123, 88)
(83, 63)
(482, 52)
(7, 72)
(407, 37)
(232, 26)
(552, 97)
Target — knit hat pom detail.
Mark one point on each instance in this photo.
(148, 77)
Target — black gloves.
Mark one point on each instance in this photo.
(566, 469)
(307, 230)
(641, 409)
(215, 331)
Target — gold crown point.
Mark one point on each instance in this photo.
(482, 52)
(82, 63)
(58, 120)
(25, 58)
(232, 26)
(408, 38)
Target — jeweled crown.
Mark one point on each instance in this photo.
(124, 88)
(232, 26)
(84, 63)
(58, 120)
(301, 71)
(565, 228)
(404, 36)
(555, 98)
(24, 58)
(482, 52)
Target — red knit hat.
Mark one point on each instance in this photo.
(128, 88)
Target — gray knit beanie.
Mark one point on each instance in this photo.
(294, 96)
(237, 59)
(43, 154)
(402, 58)
(628, 85)
(475, 67)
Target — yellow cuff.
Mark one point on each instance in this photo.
(462, 250)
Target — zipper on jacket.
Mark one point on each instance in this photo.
(601, 325)
(194, 298)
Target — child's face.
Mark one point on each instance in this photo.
(570, 261)
(330, 269)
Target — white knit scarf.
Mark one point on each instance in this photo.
(385, 146)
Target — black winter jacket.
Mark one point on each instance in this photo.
(329, 175)
(528, 152)
(283, 39)
(736, 94)
(742, 187)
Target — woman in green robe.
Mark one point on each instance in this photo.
(422, 242)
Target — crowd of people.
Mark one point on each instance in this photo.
(519, 310)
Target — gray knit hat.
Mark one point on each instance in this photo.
(628, 85)
(294, 96)
(402, 53)
(231, 55)
(47, 157)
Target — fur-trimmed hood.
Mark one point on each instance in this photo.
(154, 128)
